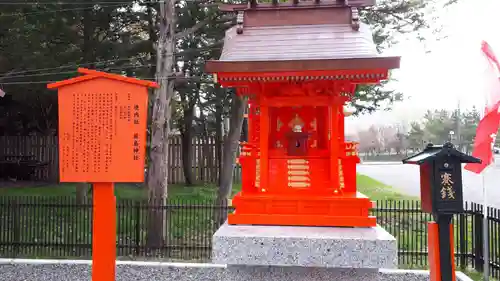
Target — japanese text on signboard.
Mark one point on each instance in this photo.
(102, 136)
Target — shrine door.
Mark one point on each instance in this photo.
(297, 174)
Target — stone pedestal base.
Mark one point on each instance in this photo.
(315, 247)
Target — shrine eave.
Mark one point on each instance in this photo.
(94, 74)
(242, 79)
(370, 63)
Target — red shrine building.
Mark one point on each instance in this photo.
(299, 63)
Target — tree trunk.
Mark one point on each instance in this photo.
(231, 144)
(153, 38)
(187, 146)
(160, 128)
(218, 140)
(83, 189)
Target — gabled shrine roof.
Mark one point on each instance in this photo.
(432, 152)
(91, 74)
(319, 46)
(297, 38)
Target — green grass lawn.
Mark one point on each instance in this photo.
(378, 191)
(186, 224)
(189, 226)
(122, 191)
(366, 185)
(49, 214)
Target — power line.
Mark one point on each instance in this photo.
(74, 71)
(134, 2)
(10, 74)
(39, 74)
(58, 10)
(90, 7)
(194, 78)
(39, 3)
(65, 66)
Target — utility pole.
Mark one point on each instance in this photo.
(157, 179)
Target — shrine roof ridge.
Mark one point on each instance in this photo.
(432, 151)
(255, 6)
(93, 74)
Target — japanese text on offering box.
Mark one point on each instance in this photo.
(447, 189)
(102, 136)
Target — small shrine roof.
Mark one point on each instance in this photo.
(94, 74)
(432, 152)
(300, 47)
(306, 36)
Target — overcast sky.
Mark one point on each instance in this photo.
(450, 73)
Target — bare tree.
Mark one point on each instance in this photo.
(387, 135)
(369, 141)
(231, 144)
(400, 139)
(157, 178)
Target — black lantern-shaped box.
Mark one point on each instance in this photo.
(441, 189)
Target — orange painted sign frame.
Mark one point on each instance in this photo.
(102, 127)
(434, 254)
(102, 140)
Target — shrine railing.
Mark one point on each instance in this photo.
(58, 227)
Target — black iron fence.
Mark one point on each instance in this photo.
(55, 227)
(40, 156)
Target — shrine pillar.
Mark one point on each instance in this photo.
(341, 124)
(334, 144)
(247, 161)
(264, 144)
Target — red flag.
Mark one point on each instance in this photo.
(488, 126)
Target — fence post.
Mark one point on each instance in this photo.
(138, 228)
(221, 212)
(478, 239)
(16, 221)
(462, 241)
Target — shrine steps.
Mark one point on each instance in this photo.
(337, 211)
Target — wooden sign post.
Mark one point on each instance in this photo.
(102, 140)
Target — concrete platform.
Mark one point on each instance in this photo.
(330, 247)
(80, 270)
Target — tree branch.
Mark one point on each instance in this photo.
(390, 13)
(9, 73)
(199, 26)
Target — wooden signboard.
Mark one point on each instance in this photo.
(102, 128)
(102, 140)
